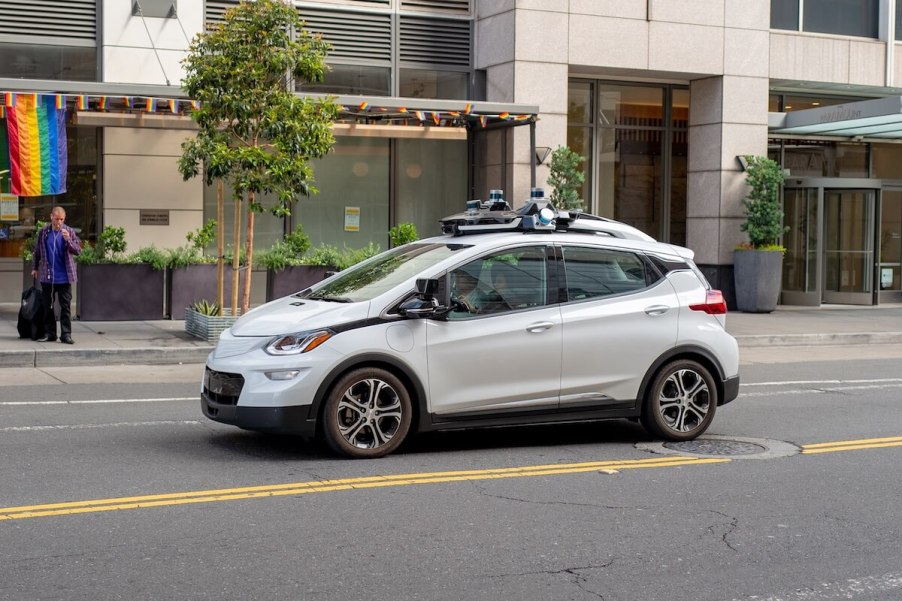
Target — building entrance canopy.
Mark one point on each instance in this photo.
(878, 118)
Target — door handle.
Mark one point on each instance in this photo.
(539, 327)
(656, 310)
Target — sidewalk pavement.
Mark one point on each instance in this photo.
(165, 342)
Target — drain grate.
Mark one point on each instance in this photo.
(716, 447)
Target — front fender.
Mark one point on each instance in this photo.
(401, 369)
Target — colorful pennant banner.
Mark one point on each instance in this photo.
(82, 102)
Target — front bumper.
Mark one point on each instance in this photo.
(294, 419)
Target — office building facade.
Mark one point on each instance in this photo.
(446, 99)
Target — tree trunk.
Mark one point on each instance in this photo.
(220, 246)
(249, 250)
(236, 254)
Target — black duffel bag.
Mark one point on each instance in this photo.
(31, 314)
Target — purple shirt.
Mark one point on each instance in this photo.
(42, 261)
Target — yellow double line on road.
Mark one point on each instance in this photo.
(321, 486)
(852, 445)
(299, 488)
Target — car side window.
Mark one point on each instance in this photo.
(510, 280)
(597, 272)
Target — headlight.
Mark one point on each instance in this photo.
(295, 344)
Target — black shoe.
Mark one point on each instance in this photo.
(67, 340)
(47, 338)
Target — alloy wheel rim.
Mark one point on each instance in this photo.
(369, 414)
(684, 400)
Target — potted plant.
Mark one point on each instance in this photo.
(758, 264)
(204, 320)
(113, 286)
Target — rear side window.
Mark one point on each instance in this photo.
(597, 272)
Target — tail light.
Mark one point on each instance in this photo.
(714, 304)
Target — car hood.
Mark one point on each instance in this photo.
(293, 314)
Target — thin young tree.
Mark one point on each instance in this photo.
(254, 132)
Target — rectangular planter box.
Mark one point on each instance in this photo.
(187, 285)
(115, 292)
(294, 279)
(207, 327)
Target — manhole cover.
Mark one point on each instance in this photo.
(712, 445)
(716, 447)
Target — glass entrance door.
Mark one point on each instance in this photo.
(889, 269)
(848, 246)
(801, 285)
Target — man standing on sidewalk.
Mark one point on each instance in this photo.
(54, 266)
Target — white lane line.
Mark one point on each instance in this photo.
(808, 382)
(826, 390)
(95, 426)
(852, 588)
(99, 401)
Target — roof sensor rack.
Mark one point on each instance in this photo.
(537, 215)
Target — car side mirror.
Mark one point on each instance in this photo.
(423, 304)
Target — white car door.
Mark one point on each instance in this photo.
(500, 350)
(615, 325)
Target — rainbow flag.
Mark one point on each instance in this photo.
(82, 103)
(173, 106)
(9, 99)
(104, 103)
(37, 146)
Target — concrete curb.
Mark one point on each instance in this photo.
(748, 341)
(115, 356)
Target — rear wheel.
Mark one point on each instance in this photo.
(680, 402)
(367, 414)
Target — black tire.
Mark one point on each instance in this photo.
(680, 402)
(367, 414)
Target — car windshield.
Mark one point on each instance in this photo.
(377, 275)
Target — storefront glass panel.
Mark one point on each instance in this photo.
(431, 178)
(352, 207)
(629, 177)
(890, 268)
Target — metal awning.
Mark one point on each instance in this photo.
(879, 118)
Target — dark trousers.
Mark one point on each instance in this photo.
(63, 294)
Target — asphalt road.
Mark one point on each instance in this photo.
(113, 486)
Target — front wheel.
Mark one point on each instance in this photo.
(367, 414)
(680, 402)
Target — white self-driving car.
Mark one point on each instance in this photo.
(510, 317)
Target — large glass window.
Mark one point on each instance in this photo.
(431, 178)
(579, 131)
(430, 83)
(364, 80)
(352, 207)
(635, 139)
(818, 158)
(840, 17)
(32, 61)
